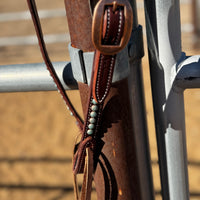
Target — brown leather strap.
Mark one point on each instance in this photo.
(113, 21)
(36, 21)
(113, 24)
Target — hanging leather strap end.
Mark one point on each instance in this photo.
(86, 189)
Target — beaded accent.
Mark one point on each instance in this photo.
(94, 107)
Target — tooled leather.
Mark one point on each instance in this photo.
(101, 79)
(36, 21)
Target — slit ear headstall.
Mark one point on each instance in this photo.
(111, 30)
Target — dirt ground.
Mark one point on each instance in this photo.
(37, 133)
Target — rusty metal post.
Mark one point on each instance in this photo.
(196, 16)
(118, 163)
(79, 15)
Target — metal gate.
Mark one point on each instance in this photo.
(172, 72)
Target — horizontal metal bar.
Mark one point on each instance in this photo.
(32, 39)
(35, 77)
(25, 15)
(56, 38)
(59, 12)
(188, 83)
(188, 73)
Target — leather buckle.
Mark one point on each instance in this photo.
(97, 25)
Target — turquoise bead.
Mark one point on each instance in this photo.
(91, 126)
(94, 102)
(90, 132)
(94, 108)
(92, 120)
(93, 114)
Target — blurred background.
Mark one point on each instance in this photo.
(37, 133)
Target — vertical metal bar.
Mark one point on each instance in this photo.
(140, 130)
(164, 46)
(138, 109)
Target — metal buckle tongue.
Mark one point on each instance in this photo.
(97, 25)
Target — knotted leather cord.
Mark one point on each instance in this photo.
(49, 65)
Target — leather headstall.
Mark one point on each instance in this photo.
(111, 30)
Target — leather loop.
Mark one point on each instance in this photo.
(79, 156)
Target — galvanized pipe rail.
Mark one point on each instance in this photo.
(35, 77)
(171, 72)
